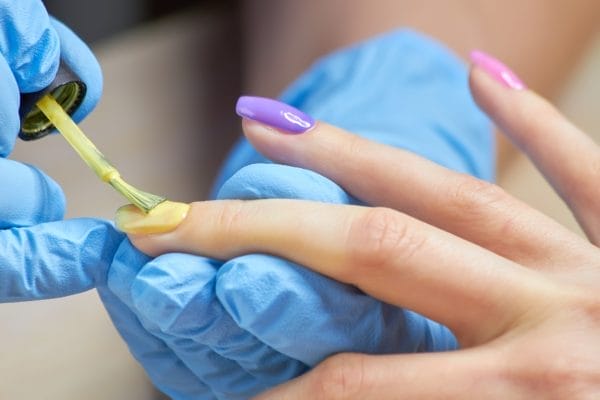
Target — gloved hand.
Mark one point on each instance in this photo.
(31, 44)
(206, 329)
(41, 256)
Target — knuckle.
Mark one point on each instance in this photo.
(568, 377)
(570, 368)
(381, 235)
(353, 147)
(469, 192)
(229, 216)
(339, 377)
(474, 199)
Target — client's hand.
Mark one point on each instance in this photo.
(235, 328)
(517, 289)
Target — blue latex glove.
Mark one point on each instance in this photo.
(31, 44)
(53, 258)
(231, 330)
(40, 255)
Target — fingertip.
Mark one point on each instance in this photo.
(511, 110)
(53, 197)
(163, 218)
(258, 132)
(491, 96)
(8, 131)
(277, 145)
(478, 82)
(170, 228)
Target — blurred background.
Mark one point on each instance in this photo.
(173, 71)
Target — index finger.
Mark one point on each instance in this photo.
(389, 255)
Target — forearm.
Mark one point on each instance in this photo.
(541, 39)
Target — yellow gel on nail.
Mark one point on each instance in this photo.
(163, 218)
(93, 157)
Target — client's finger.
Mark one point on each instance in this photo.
(567, 157)
(389, 255)
(417, 376)
(384, 176)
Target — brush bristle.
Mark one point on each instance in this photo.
(144, 201)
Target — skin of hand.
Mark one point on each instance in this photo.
(518, 289)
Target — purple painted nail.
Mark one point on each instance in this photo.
(274, 113)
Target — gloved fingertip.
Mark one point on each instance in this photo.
(51, 203)
(34, 62)
(84, 64)
(7, 144)
(125, 266)
(54, 200)
(31, 196)
(159, 295)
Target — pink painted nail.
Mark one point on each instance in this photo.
(497, 70)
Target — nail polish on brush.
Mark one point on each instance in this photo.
(497, 70)
(274, 113)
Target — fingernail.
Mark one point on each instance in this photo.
(497, 70)
(163, 218)
(274, 113)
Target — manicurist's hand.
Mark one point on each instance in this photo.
(40, 255)
(519, 290)
(31, 46)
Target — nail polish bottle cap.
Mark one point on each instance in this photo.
(68, 90)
